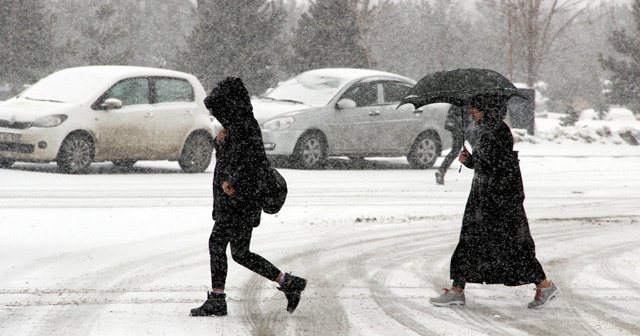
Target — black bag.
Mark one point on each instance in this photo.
(274, 191)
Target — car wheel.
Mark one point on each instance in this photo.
(424, 151)
(310, 151)
(196, 154)
(76, 154)
(124, 163)
(6, 163)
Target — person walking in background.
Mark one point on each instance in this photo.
(236, 187)
(495, 244)
(461, 126)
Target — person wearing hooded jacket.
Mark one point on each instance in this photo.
(495, 244)
(237, 179)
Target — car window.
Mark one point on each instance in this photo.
(131, 91)
(363, 93)
(173, 90)
(394, 91)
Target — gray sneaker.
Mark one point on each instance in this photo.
(448, 299)
(544, 295)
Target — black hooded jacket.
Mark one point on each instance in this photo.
(240, 156)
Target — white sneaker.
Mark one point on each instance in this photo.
(448, 299)
(544, 295)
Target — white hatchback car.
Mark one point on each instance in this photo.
(121, 114)
(349, 112)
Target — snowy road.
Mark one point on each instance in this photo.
(125, 253)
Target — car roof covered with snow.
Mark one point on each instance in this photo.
(80, 84)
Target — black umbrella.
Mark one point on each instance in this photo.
(458, 86)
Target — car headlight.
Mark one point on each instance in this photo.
(50, 121)
(279, 124)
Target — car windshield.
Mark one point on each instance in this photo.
(312, 89)
(65, 87)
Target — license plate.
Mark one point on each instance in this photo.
(9, 137)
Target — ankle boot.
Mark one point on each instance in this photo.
(440, 175)
(216, 304)
(292, 287)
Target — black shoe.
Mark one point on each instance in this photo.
(440, 176)
(292, 288)
(215, 305)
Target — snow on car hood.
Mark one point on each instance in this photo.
(28, 110)
(265, 109)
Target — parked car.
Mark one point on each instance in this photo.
(349, 112)
(121, 114)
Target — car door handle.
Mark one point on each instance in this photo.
(148, 115)
(374, 113)
(188, 113)
(417, 112)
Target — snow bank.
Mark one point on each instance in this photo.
(619, 126)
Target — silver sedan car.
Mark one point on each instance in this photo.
(352, 113)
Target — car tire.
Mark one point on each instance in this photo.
(196, 153)
(76, 154)
(124, 163)
(425, 151)
(6, 163)
(310, 151)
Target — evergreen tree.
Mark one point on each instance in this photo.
(145, 33)
(25, 43)
(234, 38)
(109, 37)
(625, 81)
(570, 118)
(328, 35)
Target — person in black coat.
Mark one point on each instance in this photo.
(237, 179)
(495, 245)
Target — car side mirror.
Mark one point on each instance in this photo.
(408, 108)
(344, 104)
(111, 104)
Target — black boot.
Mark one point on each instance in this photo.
(215, 305)
(440, 176)
(292, 287)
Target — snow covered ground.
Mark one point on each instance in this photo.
(125, 252)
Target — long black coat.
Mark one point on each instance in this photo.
(240, 156)
(495, 245)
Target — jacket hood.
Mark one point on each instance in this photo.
(494, 108)
(229, 103)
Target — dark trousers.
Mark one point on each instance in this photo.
(457, 141)
(238, 235)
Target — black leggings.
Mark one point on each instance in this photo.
(457, 141)
(239, 237)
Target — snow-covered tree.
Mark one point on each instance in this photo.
(571, 116)
(533, 28)
(234, 38)
(624, 86)
(25, 42)
(107, 38)
(329, 35)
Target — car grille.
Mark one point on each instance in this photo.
(15, 124)
(16, 147)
